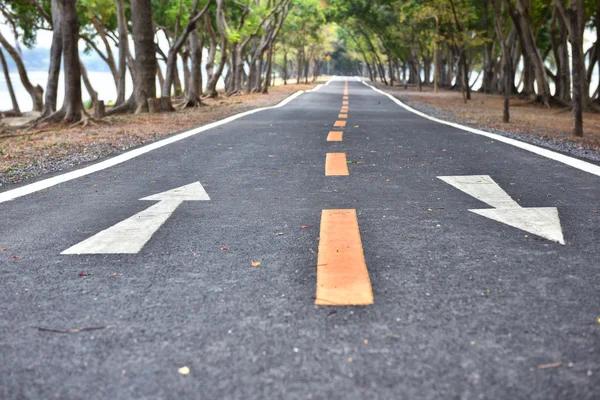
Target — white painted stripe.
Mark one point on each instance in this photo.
(130, 236)
(483, 188)
(46, 183)
(570, 161)
(541, 221)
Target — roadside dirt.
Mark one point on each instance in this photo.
(58, 147)
(548, 127)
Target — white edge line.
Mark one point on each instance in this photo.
(319, 86)
(573, 162)
(46, 183)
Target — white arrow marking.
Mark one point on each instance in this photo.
(540, 221)
(130, 236)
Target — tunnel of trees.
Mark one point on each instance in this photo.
(177, 52)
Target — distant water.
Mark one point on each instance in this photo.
(102, 82)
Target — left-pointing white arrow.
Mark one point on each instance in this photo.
(130, 236)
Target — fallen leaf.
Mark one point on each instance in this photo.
(357, 126)
(305, 227)
(255, 263)
(15, 257)
(83, 274)
(224, 248)
(546, 366)
(388, 180)
(3, 249)
(115, 274)
(184, 370)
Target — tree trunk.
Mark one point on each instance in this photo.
(574, 18)
(123, 52)
(561, 56)
(11, 92)
(185, 58)
(108, 58)
(212, 49)
(145, 55)
(73, 106)
(55, 61)
(506, 59)
(265, 89)
(520, 17)
(299, 65)
(88, 85)
(36, 92)
(195, 86)
(285, 66)
(211, 88)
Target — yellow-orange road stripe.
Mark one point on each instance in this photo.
(343, 116)
(345, 97)
(340, 124)
(342, 275)
(335, 136)
(344, 109)
(345, 102)
(336, 165)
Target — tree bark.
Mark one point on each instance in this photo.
(55, 61)
(123, 52)
(506, 59)
(145, 55)
(561, 56)
(195, 86)
(73, 106)
(211, 87)
(11, 92)
(171, 74)
(574, 18)
(88, 86)
(212, 49)
(520, 17)
(36, 92)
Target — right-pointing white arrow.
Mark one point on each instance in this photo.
(540, 221)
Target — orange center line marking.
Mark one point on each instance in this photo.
(340, 124)
(342, 275)
(344, 110)
(345, 97)
(345, 102)
(336, 165)
(335, 136)
(343, 116)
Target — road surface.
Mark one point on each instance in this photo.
(400, 259)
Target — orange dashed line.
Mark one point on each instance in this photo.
(342, 275)
(344, 110)
(340, 124)
(343, 116)
(345, 97)
(336, 165)
(345, 102)
(334, 136)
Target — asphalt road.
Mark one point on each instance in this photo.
(464, 306)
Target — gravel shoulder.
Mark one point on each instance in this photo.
(545, 127)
